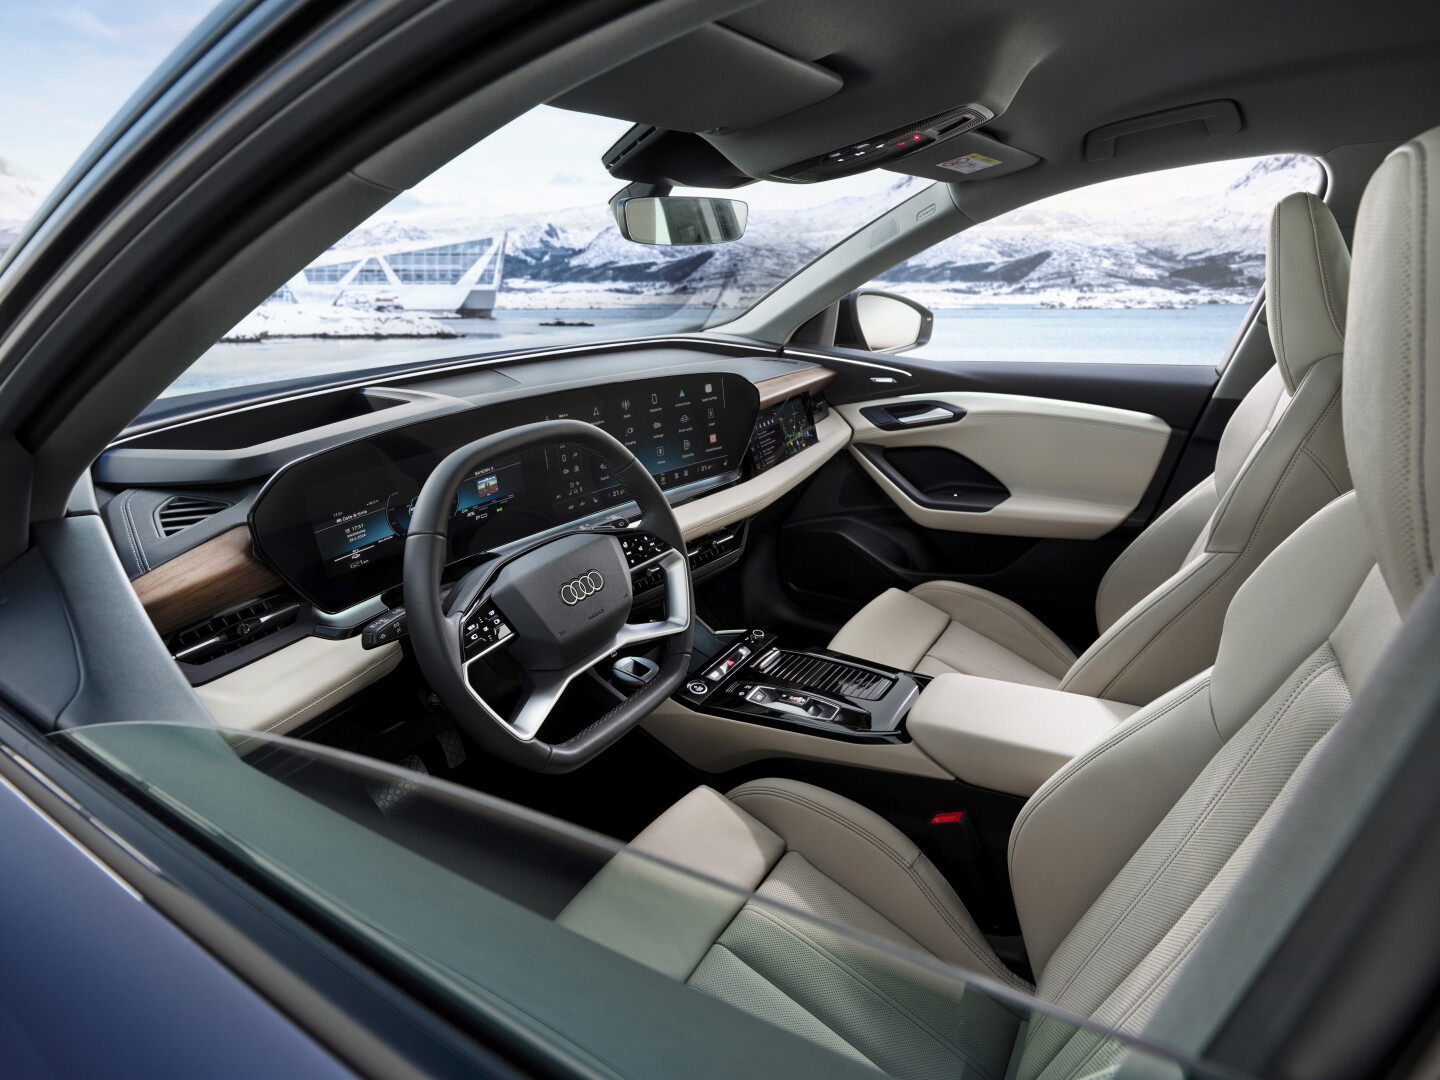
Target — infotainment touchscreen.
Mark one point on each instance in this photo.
(335, 524)
(781, 432)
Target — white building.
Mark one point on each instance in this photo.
(463, 276)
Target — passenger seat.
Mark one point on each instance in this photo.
(1161, 605)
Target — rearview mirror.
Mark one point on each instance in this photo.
(882, 322)
(672, 221)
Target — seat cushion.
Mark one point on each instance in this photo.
(945, 626)
(837, 890)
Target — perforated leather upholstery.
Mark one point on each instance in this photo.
(1118, 884)
(1161, 605)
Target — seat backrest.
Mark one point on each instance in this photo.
(1281, 458)
(1122, 860)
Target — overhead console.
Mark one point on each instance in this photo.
(885, 148)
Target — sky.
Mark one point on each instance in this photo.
(66, 69)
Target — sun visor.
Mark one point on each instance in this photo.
(966, 157)
(710, 78)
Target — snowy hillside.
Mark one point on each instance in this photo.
(1173, 253)
(1143, 242)
(20, 196)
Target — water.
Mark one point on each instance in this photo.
(1134, 336)
(1197, 335)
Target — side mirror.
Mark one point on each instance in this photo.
(882, 322)
(673, 221)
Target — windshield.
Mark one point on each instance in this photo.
(513, 245)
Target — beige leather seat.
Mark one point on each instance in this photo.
(1160, 606)
(1117, 882)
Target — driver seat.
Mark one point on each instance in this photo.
(1161, 605)
(1122, 860)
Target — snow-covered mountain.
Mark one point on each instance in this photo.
(20, 196)
(1070, 251)
(1174, 253)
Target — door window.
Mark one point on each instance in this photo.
(1152, 269)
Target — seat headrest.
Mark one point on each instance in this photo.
(1392, 365)
(1307, 280)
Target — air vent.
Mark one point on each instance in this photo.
(180, 512)
(825, 676)
(233, 629)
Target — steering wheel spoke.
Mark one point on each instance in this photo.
(556, 610)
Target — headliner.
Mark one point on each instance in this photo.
(1308, 79)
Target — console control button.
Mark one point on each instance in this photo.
(697, 687)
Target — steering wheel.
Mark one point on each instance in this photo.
(558, 608)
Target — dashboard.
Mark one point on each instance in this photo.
(333, 524)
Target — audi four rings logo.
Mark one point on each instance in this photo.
(572, 592)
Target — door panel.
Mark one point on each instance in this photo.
(1072, 470)
(846, 539)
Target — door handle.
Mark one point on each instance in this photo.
(907, 414)
(929, 416)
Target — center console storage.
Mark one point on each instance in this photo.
(746, 675)
(1007, 736)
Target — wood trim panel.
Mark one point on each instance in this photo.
(773, 391)
(218, 574)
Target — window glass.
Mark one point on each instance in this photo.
(513, 245)
(1149, 269)
(510, 918)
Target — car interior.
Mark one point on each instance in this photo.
(1029, 669)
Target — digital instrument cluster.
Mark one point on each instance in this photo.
(334, 524)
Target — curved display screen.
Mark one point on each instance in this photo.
(334, 524)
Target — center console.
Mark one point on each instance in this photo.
(747, 675)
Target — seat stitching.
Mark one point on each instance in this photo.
(1239, 559)
(979, 596)
(1272, 283)
(789, 997)
(1143, 997)
(805, 939)
(1074, 766)
(1128, 554)
(1028, 622)
(1281, 710)
(1000, 971)
(1325, 472)
(1325, 287)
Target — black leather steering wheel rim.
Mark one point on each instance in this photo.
(432, 630)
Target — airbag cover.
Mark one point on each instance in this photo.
(565, 600)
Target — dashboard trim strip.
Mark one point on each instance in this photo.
(220, 573)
